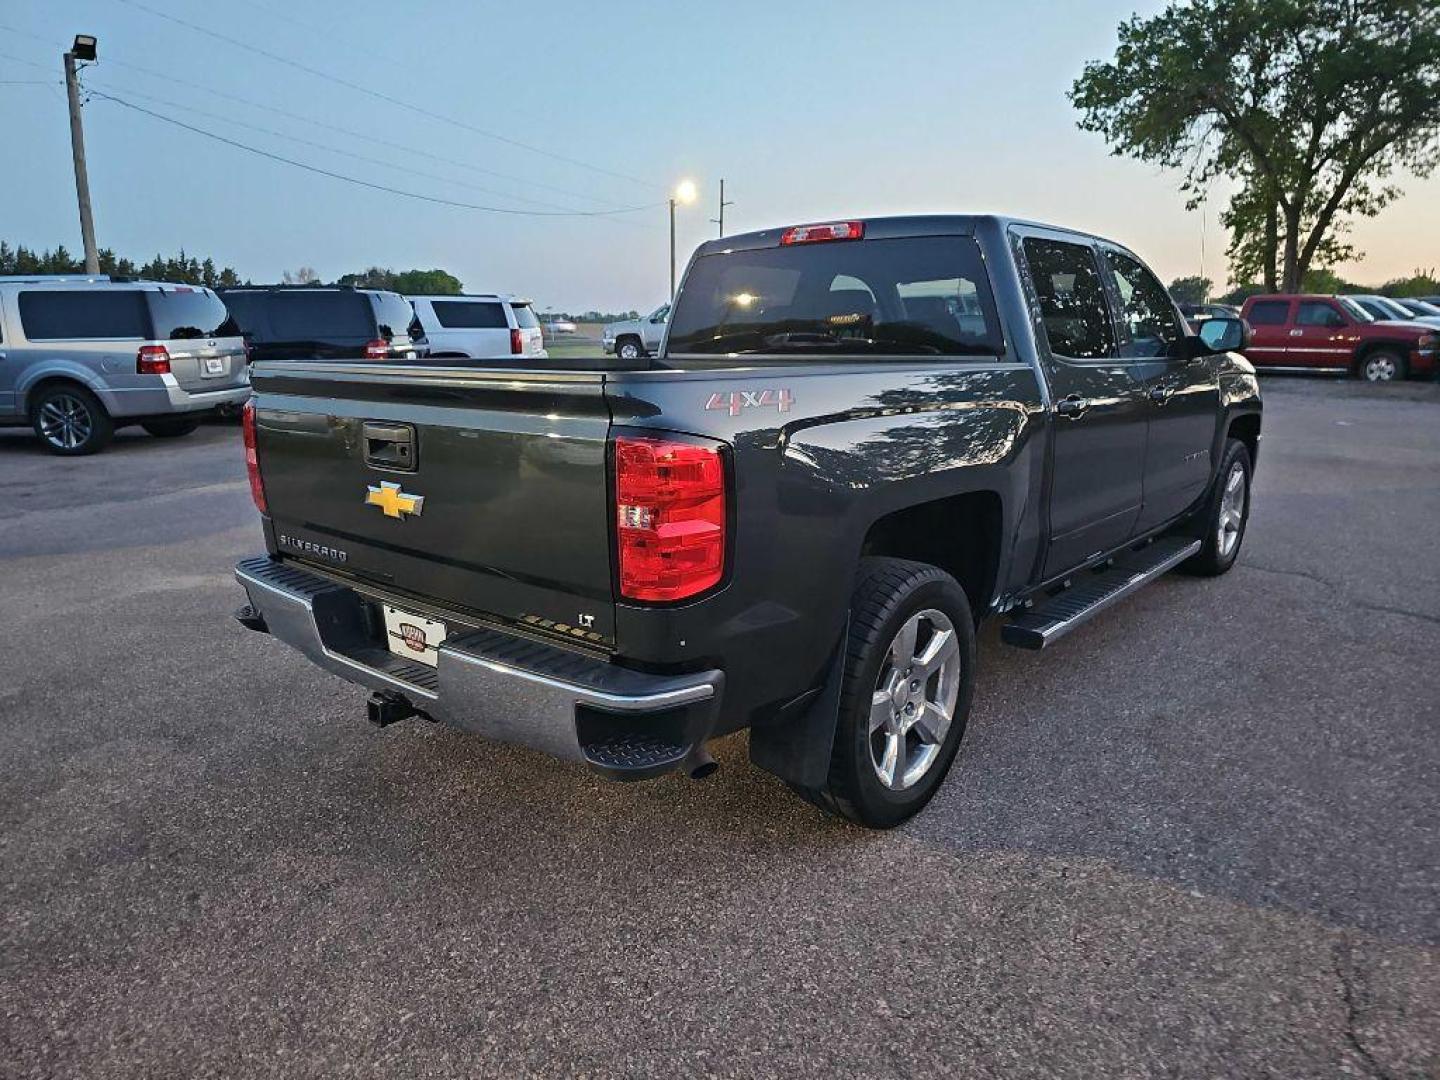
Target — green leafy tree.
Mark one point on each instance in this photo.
(181, 268)
(1420, 283)
(411, 282)
(1311, 106)
(1191, 290)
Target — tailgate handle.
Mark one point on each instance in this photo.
(390, 446)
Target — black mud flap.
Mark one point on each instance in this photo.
(796, 746)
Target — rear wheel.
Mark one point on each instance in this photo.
(1382, 365)
(70, 420)
(909, 675)
(171, 427)
(629, 349)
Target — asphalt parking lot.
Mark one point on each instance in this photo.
(1200, 837)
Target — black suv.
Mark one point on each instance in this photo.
(325, 322)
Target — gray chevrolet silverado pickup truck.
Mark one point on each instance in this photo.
(858, 439)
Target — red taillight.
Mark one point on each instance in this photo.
(516, 345)
(834, 230)
(152, 360)
(252, 463)
(379, 349)
(669, 518)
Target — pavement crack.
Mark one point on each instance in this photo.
(1368, 605)
(1344, 971)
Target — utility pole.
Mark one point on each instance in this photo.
(721, 219)
(83, 49)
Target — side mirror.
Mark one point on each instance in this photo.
(1219, 335)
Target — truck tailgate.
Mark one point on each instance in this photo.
(499, 506)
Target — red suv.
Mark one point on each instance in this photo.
(1335, 334)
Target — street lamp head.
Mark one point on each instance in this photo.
(685, 191)
(84, 47)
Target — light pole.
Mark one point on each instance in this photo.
(723, 203)
(684, 193)
(84, 50)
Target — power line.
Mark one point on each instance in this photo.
(322, 146)
(323, 125)
(366, 183)
(371, 92)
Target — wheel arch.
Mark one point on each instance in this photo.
(27, 393)
(962, 534)
(1246, 428)
(1401, 349)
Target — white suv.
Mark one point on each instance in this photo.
(485, 326)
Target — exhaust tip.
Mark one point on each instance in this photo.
(699, 764)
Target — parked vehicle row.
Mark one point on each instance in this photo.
(81, 356)
(1338, 335)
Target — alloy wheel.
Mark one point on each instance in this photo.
(1232, 511)
(65, 421)
(914, 699)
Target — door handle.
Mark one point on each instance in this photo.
(1072, 407)
(1297, 333)
(1160, 394)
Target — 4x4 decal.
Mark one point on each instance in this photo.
(737, 400)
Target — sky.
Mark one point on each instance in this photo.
(809, 110)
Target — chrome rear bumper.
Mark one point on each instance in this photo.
(624, 723)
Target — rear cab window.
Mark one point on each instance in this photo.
(181, 314)
(910, 296)
(84, 314)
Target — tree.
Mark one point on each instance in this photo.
(1191, 290)
(1311, 106)
(411, 282)
(1420, 283)
(305, 275)
(182, 268)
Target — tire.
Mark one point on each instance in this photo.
(891, 595)
(629, 349)
(70, 420)
(1220, 522)
(171, 427)
(1381, 366)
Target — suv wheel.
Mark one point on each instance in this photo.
(629, 349)
(171, 427)
(1224, 515)
(70, 420)
(909, 675)
(1382, 366)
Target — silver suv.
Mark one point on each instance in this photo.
(81, 356)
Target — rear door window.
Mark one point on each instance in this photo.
(1269, 312)
(313, 316)
(470, 314)
(524, 317)
(912, 296)
(1072, 299)
(180, 314)
(75, 314)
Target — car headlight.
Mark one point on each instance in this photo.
(1429, 341)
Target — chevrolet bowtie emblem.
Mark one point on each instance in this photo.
(392, 501)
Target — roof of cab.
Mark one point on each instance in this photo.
(892, 227)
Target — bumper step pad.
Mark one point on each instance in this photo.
(1094, 591)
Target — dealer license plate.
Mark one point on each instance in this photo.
(413, 636)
